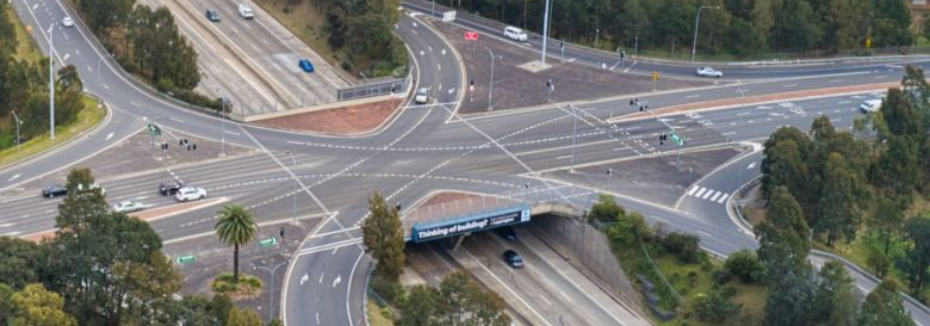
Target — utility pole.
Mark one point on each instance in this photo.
(51, 82)
(18, 122)
(545, 34)
(491, 84)
(697, 23)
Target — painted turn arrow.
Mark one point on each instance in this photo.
(337, 280)
(304, 278)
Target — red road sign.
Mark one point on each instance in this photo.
(471, 36)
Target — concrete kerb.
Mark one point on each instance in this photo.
(65, 144)
(747, 150)
(747, 227)
(636, 116)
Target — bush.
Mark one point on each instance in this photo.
(196, 99)
(605, 210)
(683, 246)
(715, 307)
(745, 265)
(387, 289)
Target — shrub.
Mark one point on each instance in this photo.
(715, 307)
(683, 246)
(745, 265)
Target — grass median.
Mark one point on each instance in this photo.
(89, 117)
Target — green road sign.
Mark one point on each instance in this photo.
(268, 242)
(677, 139)
(154, 130)
(185, 259)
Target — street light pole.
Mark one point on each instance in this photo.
(491, 90)
(271, 287)
(545, 34)
(574, 135)
(18, 122)
(223, 136)
(294, 209)
(697, 22)
(51, 82)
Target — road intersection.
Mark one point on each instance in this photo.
(423, 149)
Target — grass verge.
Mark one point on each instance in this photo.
(376, 315)
(89, 117)
(248, 287)
(25, 50)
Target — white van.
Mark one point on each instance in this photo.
(514, 33)
(870, 105)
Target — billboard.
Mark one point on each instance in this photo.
(433, 231)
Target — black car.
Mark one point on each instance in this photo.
(169, 188)
(212, 15)
(513, 259)
(54, 191)
(507, 233)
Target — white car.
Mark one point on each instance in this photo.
(128, 206)
(515, 34)
(870, 105)
(190, 193)
(245, 11)
(709, 72)
(67, 21)
(422, 96)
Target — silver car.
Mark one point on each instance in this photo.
(422, 96)
(128, 206)
(709, 72)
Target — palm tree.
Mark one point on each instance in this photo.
(235, 227)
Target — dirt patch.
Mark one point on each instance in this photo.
(445, 197)
(516, 87)
(731, 102)
(348, 120)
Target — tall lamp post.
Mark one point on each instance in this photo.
(51, 82)
(271, 287)
(223, 136)
(697, 23)
(18, 122)
(545, 34)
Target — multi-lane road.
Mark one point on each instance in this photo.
(425, 148)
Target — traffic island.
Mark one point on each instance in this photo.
(351, 119)
(248, 287)
(518, 83)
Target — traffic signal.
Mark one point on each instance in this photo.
(472, 82)
(397, 207)
(640, 108)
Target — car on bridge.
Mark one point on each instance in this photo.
(128, 206)
(708, 72)
(190, 193)
(513, 259)
(54, 191)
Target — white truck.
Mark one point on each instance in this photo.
(245, 11)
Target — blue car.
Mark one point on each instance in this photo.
(306, 65)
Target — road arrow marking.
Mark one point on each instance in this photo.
(13, 178)
(337, 280)
(109, 136)
(304, 278)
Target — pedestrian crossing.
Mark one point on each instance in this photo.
(708, 194)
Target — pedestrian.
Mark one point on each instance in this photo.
(631, 102)
(188, 147)
(181, 142)
(195, 147)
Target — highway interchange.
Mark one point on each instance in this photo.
(424, 149)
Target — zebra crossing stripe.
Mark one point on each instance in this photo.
(708, 194)
(700, 192)
(717, 194)
(693, 189)
(722, 198)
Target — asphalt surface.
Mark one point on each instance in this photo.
(418, 153)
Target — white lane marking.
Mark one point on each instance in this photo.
(438, 66)
(790, 85)
(722, 198)
(693, 189)
(321, 278)
(317, 318)
(6, 225)
(693, 96)
(430, 48)
(176, 119)
(545, 300)
(13, 178)
(708, 194)
(110, 135)
(566, 297)
(630, 67)
(334, 250)
(233, 133)
(304, 278)
(134, 103)
(842, 102)
(90, 69)
(105, 86)
(295, 142)
(751, 165)
(700, 192)
(563, 157)
(67, 55)
(716, 194)
(572, 59)
(443, 51)
(337, 280)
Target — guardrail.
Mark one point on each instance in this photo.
(379, 88)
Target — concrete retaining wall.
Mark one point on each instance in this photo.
(587, 249)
